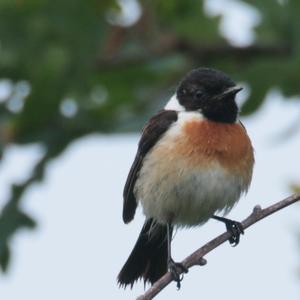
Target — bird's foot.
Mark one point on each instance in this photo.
(234, 227)
(177, 269)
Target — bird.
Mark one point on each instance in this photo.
(194, 160)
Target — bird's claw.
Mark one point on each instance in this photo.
(177, 269)
(236, 229)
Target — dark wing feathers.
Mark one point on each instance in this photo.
(129, 202)
(153, 130)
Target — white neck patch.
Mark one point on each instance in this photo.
(174, 104)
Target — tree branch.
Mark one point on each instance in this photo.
(196, 52)
(196, 258)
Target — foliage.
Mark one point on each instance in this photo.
(72, 70)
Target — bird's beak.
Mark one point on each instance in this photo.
(231, 91)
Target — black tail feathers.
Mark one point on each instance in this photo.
(148, 259)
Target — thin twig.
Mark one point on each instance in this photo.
(196, 258)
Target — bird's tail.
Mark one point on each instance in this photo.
(148, 259)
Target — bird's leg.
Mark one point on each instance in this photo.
(234, 227)
(176, 269)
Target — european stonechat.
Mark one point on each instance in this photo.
(194, 159)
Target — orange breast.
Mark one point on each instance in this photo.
(206, 141)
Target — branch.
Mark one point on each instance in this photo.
(196, 258)
(196, 52)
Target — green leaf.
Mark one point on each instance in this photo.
(4, 257)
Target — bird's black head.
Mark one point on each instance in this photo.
(211, 92)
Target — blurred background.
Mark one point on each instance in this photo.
(78, 79)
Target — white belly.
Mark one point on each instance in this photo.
(169, 192)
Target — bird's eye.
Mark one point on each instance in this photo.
(198, 94)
